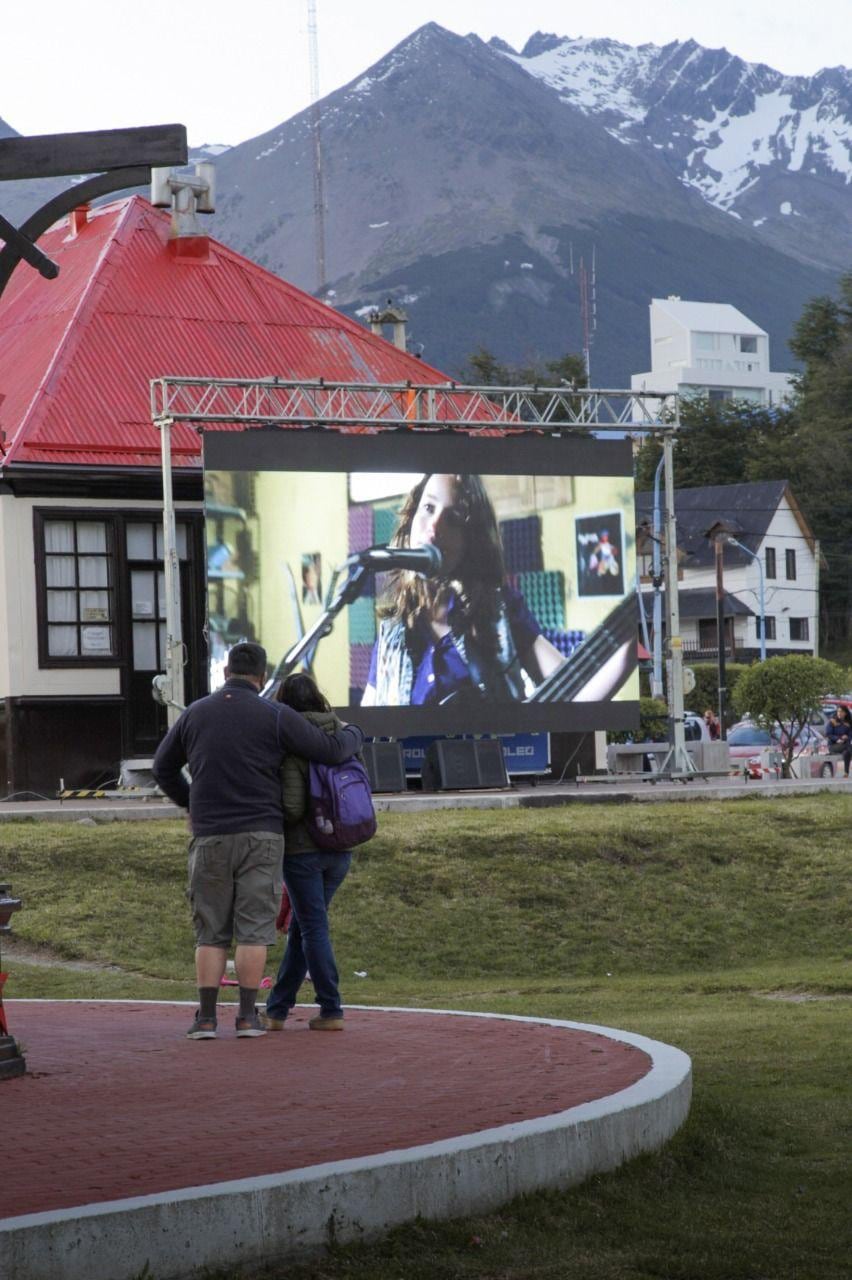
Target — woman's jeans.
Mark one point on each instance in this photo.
(312, 879)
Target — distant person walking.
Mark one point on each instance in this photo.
(312, 877)
(839, 735)
(712, 722)
(234, 744)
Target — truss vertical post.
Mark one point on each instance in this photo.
(677, 758)
(173, 691)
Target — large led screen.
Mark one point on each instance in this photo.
(433, 583)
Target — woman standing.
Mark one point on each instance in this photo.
(312, 877)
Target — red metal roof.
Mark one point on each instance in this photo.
(77, 353)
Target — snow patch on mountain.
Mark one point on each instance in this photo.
(722, 123)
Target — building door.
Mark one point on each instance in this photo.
(146, 719)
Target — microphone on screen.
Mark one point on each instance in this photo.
(425, 560)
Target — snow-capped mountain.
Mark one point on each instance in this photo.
(773, 150)
(466, 183)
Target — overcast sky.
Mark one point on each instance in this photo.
(230, 71)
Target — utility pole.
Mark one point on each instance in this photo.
(719, 534)
(316, 133)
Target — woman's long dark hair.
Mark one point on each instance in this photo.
(302, 693)
(476, 580)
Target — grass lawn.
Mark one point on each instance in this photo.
(722, 928)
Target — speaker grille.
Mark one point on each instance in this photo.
(385, 766)
(464, 765)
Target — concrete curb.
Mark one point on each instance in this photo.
(546, 795)
(283, 1216)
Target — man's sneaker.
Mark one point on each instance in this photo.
(270, 1023)
(250, 1026)
(319, 1023)
(202, 1028)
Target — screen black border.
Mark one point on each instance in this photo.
(524, 453)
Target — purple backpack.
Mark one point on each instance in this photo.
(340, 810)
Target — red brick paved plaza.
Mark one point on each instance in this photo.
(117, 1103)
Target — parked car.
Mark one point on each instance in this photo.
(695, 727)
(747, 741)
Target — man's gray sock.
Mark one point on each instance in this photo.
(207, 997)
(248, 997)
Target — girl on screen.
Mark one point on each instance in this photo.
(465, 632)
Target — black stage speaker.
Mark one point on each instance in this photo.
(385, 766)
(464, 765)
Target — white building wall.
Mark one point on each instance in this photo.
(705, 354)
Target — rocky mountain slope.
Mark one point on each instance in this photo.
(773, 150)
(461, 180)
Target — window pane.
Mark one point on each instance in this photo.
(62, 642)
(58, 535)
(94, 571)
(60, 571)
(161, 589)
(62, 606)
(91, 536)
(94, 606)
(144, 646)
(180, 539)
(142, 593)
(96, 640)
(140, 542)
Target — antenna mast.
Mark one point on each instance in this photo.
(588, 310)
(319, 196)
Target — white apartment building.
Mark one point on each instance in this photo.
(710, 349)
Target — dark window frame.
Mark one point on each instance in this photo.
(770, 564)
(803, 626)
(116, 521)
(43, 516)
(790, 563)
(769, 620)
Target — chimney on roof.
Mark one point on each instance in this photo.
(186, 195)
(77, 219)
(389, 315)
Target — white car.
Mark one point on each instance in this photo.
(695, 727)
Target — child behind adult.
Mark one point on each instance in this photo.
(312, 877)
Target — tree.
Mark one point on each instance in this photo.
(484, 369)
(720, 442)
(821, 453)
(787, 691)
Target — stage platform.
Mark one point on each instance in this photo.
(129, 1145)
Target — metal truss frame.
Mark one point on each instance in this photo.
(448, 406)
(360, 406)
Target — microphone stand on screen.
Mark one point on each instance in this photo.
(356, 567)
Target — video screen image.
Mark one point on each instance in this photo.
(430, 584)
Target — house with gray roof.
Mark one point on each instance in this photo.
(765, 518)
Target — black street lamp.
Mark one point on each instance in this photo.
(12, 1062)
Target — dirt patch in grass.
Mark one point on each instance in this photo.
(45, 958)
(802, 997)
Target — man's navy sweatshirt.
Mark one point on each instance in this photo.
(234, 743)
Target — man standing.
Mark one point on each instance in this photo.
(234, 742)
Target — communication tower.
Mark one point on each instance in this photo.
(316, 135)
